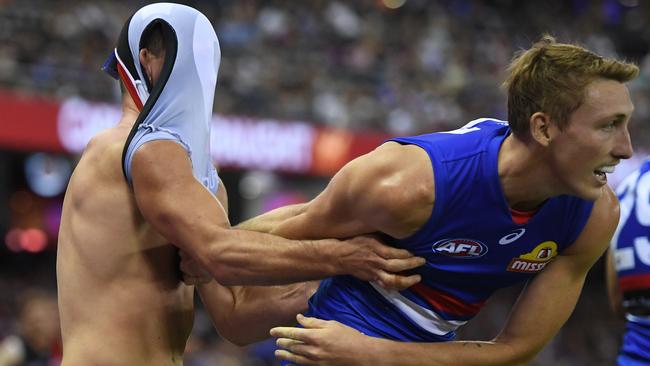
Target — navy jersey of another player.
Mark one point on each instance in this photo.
(631, 248)
(471, 244)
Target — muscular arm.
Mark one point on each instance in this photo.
(357, 201)
(541, 310)
(244, 314)
(185, 213)
(367, 195)
(267, 222)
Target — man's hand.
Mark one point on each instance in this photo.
(193, 273)
(324, 343)
(368, 259)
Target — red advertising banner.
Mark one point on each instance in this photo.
(28, 123)
(36, 124)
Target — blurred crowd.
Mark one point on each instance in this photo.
(426, 65)
(400, 66)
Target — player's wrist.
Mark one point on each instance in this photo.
(326, 253)
(335, 254)
(344, 257)
(374, 351)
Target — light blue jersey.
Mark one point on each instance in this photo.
(179, 106)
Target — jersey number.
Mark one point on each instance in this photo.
(640, 204)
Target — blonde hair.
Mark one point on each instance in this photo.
(551, 77)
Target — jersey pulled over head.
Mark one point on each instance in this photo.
(178, 105)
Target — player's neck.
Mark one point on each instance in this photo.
(525, 178)
(130, 111)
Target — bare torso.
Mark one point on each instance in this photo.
(120, 295)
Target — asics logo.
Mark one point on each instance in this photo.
(512, 237)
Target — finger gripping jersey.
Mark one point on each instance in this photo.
(631, 249)
(471, 244)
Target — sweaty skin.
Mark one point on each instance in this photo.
(556, 162)
(115, 273)
(121, 298)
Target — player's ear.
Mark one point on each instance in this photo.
(145, 60)
(541, 128)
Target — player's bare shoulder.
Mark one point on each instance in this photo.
(99, 169)
(600, 227)
(606, 211)
(398, 181)
(407, 173)
(610, 201)
(103, 154)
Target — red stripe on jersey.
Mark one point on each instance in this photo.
(129, 86)
(635, 282)
(447, 303)
(522, 217)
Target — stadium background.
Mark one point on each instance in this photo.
(303, 87)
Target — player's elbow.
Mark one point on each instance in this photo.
(223, 275)
(219, 257)
(240, 332)
(213, 261)
(232, 327)
(240, 338)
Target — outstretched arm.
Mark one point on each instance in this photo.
(541, 310)
(366, 196)
(244, 314)
(185, 213)
(362, 198)
(269, 221)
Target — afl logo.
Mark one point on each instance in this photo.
(460, 248)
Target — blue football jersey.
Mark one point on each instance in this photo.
(471, 244)
(631, 248)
